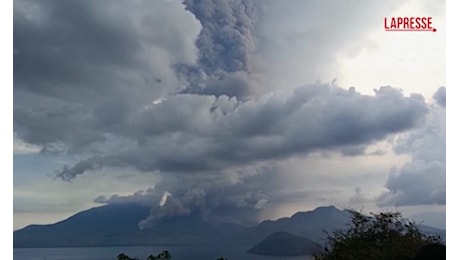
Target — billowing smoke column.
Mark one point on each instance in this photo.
(225, 40)
(225, 43)
(174, 206)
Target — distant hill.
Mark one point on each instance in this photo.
(110, 224)
(117, 225)
(285, 244)
(309, 224)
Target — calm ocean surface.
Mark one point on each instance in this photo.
(111, 253)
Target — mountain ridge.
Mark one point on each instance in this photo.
(117, 225)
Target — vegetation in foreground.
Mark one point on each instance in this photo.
(383, 236)
(165, 255)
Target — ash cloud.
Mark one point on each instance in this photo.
(225, 41)
(225, 45)
(175, 206)
(216, 198)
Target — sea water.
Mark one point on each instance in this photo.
(111, 253)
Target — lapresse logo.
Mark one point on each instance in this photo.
(408, 24)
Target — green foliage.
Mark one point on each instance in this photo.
(384, 236)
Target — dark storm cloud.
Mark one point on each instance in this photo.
(191, 133)
(48, 121)
(422, 180)
(75, 48)
(85, 66)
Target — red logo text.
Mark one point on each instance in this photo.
(409, 24)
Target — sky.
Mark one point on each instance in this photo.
(241, 110)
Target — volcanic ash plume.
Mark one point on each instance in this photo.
(225, 44)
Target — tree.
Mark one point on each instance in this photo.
(383, 236)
